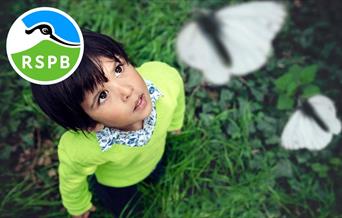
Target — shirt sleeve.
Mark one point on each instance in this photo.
(73, 185)
(178, 116)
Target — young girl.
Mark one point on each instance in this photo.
(117, 117)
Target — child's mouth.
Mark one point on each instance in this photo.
(141, 103)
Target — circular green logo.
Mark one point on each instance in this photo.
(44, 45)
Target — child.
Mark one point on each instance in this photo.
(117, 118)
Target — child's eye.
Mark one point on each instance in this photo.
(118, 70)
(102, 97)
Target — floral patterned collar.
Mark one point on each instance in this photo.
(109, 136)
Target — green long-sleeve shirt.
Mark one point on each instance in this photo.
(120, 166)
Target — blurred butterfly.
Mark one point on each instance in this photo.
(234, 40)
(312, 126)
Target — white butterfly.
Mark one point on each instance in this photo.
(244, 32)
(303, 130)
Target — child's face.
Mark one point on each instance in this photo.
(123, 102)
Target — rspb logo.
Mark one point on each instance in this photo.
(44, 45)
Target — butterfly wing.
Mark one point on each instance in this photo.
(291, 138)
(303, 132)
(326, 110)
(195, 50)
(247, 31)
(318, 138)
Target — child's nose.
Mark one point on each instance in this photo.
(126, 92)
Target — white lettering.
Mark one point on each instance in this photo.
(51, 61)
(64, 62)
(26, 61)
(40, 63)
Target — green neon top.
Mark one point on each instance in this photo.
(120, 166)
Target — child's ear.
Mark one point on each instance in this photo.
(98, 127)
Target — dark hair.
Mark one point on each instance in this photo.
(62, 101)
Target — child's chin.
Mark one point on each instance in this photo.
(148, 110)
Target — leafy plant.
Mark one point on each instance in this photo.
(297, 81)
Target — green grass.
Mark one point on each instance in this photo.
(227, 161)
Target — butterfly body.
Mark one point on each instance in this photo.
(309, 111)
(210, 27)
